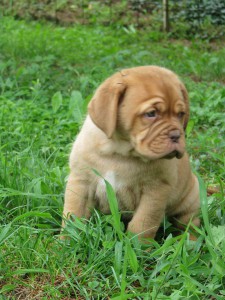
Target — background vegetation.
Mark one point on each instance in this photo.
(48, 74)
(188, 18)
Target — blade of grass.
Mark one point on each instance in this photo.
(204, 208)
(113, 204)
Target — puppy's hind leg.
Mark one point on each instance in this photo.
(188, 210)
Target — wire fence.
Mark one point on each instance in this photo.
(185, 16)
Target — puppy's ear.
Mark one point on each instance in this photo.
(104, 104)
(186, 101)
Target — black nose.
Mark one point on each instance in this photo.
(174, 135)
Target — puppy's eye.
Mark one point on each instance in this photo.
(150, 114)
(181, 114)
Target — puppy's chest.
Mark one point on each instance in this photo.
(127, 189)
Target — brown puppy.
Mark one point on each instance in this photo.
(134, 137)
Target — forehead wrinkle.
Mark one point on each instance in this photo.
(179, 105)
(153, 103)
(173, 96)
(171, 87)
(141, 92)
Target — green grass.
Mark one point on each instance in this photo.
(47, 76)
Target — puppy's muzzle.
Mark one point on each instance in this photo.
(174, 135)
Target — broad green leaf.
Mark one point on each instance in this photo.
(219, 267)
(56, 101)
(7, 288)
(118, 256)
(76, 106)
(132, 258)
(25, 271)
(190, 127)
(113, 204)
(218, 233)
(204, 207)
(93, 284)
(32, 214)
(4, 232)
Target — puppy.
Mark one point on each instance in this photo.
(134, 136)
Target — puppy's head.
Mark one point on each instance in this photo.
(148, 106)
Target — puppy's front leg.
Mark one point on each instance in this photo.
(148, 216)
(76, 198)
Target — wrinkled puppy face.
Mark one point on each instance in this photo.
(147, 106)
(153, 112)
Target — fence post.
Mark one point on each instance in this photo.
(166, 25)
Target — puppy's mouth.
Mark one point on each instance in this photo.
(173, 154)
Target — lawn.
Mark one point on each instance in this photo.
(48, 74)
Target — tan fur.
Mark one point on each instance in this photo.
(135, 152)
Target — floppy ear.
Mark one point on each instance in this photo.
(104, 104)
(186, 101)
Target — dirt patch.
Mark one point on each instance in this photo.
(36, 288)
